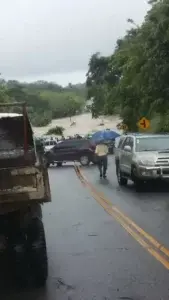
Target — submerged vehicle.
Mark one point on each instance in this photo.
(24, 187)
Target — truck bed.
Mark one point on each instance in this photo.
(23, 178)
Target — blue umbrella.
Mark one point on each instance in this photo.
(104, 135)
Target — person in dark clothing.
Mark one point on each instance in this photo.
(102, 161)
(102, 165)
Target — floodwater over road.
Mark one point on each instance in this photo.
(93, 253)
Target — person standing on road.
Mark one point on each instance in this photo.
(102, 160)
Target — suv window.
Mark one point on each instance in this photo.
(152, 143)
(65, 144)
(131, 142)
(53, 143)
(75, 143)
(50, 143)
(79, 143)
(120, 142)
(82, 144)
(128, 142)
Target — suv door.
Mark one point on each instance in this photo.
(83, 148)
(126, 157)
(118, 147)
(63, 151)
(77, 148)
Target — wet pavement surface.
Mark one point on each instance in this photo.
(149, 209)
(91, 257)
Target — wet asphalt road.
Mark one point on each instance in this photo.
(91, 257)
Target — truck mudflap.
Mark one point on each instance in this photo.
(25, 184)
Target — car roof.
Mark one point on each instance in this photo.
(76, 140)
(147, 135)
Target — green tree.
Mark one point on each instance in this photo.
(138, 71)
(45, 100)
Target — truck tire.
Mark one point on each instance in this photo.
(37, 253)
(122, 181)
(59, 164)
(19, 261)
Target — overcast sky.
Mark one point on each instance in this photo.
(54, 39)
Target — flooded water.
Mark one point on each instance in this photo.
(83, 124)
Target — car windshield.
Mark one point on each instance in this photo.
(155, 143)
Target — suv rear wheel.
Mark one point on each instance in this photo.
(84, 160)
(121, 179)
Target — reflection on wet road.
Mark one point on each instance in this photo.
(91, 254)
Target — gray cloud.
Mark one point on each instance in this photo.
(54, 36)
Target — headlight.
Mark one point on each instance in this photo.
(146, 162)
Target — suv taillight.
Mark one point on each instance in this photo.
(92, 147)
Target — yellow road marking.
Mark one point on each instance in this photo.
(145, 234)
(132, 228)
(143, 243)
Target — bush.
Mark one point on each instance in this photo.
(57, 130)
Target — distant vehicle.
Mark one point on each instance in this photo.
(81, 150)
(49, 144)
(142, 158)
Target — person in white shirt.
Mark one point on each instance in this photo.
(102, 160)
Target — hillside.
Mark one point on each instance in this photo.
(45, 100)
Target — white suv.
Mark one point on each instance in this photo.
(141, 158)
(49, 144)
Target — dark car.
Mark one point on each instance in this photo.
(81, 150)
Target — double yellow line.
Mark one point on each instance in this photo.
(148, 242)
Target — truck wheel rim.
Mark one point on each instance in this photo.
(84, 160)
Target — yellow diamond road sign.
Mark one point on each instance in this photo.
(144, 123)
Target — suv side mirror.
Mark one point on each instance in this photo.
(127, 148)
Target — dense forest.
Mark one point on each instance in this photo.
(45, 100)
(134, 80)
